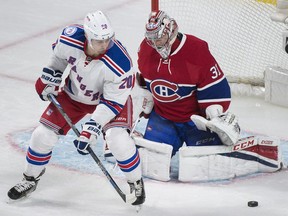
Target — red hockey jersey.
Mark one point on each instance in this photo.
(187, 82)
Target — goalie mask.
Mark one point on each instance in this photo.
(97, 27)
(161, 32)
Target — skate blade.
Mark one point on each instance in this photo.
(11, 201)
(138, 208)
(130, 198)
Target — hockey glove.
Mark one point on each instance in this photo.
(90, 132)
(225, 126)
(48, 83)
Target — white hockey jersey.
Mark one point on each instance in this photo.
(106, 80)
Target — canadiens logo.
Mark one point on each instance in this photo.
(164, 91)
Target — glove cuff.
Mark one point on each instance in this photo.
(213, 111)
(51, 77)
(85, 134)
(91, 128)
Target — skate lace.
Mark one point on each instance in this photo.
(138, 189)
(25, 185)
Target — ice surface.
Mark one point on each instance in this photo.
(73, 184)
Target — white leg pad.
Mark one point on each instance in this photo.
(155, 159)
(197, 168)
(270, 152)
(210, 163)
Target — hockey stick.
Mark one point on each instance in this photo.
(128, 198)
(134, 126)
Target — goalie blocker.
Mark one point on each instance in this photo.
(209, 163)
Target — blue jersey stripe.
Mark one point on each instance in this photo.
(116, 108)
(117, 59)
(71, 44)
(110, 67)
(218, 91)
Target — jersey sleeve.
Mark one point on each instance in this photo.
(213, 87)
(116, 92)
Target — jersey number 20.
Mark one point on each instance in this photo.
(127, 82)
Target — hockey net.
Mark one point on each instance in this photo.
(240, 34)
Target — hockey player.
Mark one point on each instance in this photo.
(99, 81)
(191, 101)
(186, 82)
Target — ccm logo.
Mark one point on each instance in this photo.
(244, 145)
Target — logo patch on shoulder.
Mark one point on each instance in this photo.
(70, 30)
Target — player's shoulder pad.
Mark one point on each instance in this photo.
(73, 36)
(118, 59)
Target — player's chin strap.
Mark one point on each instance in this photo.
(128, 198)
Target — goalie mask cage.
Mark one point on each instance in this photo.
(241, 35)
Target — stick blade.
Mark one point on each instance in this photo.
(130, 198)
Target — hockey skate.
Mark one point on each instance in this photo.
(25, 187)
(138, 188)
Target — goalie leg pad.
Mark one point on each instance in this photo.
(248, 156)
(270, 155)
(204, 167)
(155, 159)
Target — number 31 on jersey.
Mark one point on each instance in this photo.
(216, 72)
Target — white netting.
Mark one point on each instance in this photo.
(240, 34)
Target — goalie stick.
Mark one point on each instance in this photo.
(127, 198)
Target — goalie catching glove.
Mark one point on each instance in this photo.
(48, 83)
(90, 132)
(225, 125)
